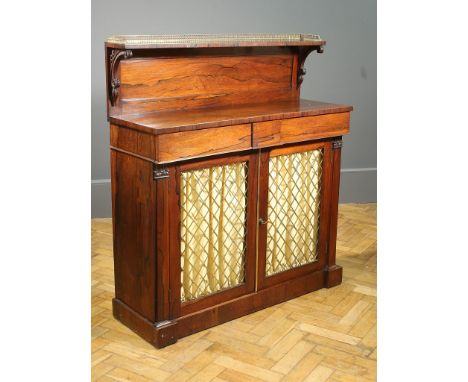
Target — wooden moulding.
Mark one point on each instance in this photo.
(167, 332)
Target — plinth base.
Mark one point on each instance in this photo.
(161, 334)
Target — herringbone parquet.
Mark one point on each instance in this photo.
(328, 335)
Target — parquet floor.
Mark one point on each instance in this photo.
(328, 335)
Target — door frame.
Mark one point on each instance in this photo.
(179, 309)
(264, 281)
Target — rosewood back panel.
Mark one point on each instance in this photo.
(180, 79)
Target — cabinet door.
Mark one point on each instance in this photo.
(217, 215)
(293, 211)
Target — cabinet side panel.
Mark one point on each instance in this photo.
(134, 228)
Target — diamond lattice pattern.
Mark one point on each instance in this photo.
(293, 210)
(213, 229)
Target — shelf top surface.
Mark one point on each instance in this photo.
(185, 120)
(212, 40)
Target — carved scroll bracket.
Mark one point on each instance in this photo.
(303, 53)
(114, 59)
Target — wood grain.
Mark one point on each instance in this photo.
(133, 205)
(199, 102)
(334, 197)
(299, 129)
(342, 344)
(202, 143)
(203, 76)
(157, 122)
(132, 141)
(163, 215)
(199, 81)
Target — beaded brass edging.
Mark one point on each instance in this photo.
(144, 40)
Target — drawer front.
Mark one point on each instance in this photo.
(201, 143)
(291, 130)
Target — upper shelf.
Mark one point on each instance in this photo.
(212, 40)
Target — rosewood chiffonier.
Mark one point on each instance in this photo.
(224, 181)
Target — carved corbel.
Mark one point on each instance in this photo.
(303, 53)
(114, 59)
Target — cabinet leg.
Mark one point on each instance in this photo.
(159, 335)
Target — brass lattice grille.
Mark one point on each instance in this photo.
(213, 229)
(293, 210)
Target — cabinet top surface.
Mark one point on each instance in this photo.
(212, 40)
(174, 121)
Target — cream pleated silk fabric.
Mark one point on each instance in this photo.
(213, 229)
(293, 210)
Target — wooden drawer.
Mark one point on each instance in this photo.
(290, 130)
(201, 143)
